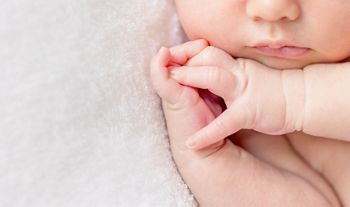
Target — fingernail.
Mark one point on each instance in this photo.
(174, 72)
(190, 143)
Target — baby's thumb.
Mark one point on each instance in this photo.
(229, 122)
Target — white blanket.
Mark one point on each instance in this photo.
(80, 124)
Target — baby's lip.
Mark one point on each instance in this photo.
(280, 49)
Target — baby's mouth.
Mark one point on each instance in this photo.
(281, 50)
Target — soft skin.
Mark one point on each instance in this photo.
(237, 25)
(261, 172)
(274, 102)
(251, 168)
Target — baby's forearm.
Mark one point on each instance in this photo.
(326, 101)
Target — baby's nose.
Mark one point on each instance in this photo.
(273, 10)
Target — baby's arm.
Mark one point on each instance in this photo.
(186, 112)
(327, 100)
(266, 100)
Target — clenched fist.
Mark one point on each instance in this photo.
(257, 97)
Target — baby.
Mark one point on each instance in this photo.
(280, 68)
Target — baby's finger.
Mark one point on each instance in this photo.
(213, 56)
(229, 122)
(167, 89)
(181, 53)
(217, 80)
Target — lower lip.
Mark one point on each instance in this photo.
(283, 52)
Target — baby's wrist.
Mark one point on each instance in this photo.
(295, 96)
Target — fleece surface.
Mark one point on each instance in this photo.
(80, 124)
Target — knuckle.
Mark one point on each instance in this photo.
(201, 42)
(183, 75)
(241, 63)
(214, 75)
(208, 52)
(214, 52)
(211, 48)
(205, 42)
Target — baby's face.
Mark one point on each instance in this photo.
(278, 33)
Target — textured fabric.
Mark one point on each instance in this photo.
(80, 124)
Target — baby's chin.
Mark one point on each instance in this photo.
(281, 63)
(278, 63)
(284, 64)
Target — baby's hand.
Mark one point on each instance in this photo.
(186, 109)
(256, 96)
(169, 90)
